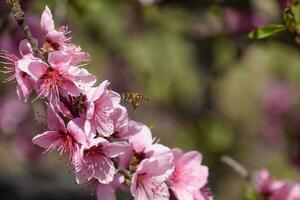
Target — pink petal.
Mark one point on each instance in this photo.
(119, 117)
(90, 110)
(115, 98)
(24, 86)
(82, 76)
(56, 37)
(46, 139)
(165, 166)
(146, 184)
(59, 60)
(75, 128)
(32, 66)
(47, 23)
(115, 149)
(106, 128)
(83, 174)
(98, 91)
(157, 149)
(87, 127)
(118, 180)
(70, 88)
(25, 47)
(182, 193)
(142, 140)
(55, 122)
(189, 175)
(99, 167)
(23, 93)
(64, 110)
(105, 192)
(104, 169)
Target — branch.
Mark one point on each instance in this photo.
(237, 167)
(19, 15)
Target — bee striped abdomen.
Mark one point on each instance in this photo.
(134, 98)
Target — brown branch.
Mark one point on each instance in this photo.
(19, 15)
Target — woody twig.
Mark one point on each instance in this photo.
(19, 15)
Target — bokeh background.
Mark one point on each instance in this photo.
(210, 87)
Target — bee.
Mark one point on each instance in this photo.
(134, 98)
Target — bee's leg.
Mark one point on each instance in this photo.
(135, 105)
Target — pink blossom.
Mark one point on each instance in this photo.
(94, 160)
(189, 175)
(101, 104)
(272, 189)
(148, 181)
(290, 191)
(64, 139)
(55, 38)
(76, 54)
(58, 39)
(266, 185)
(11, 62)
(57, 79)
(124, 128)
(143, 144)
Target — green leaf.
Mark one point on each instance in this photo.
(266, 31)
(251, 194)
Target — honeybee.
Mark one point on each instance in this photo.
(134, 98)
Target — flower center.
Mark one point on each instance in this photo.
(52, 78)
(94, 151)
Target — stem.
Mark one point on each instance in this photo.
(19, 15)
(126, 173)
(237, 167)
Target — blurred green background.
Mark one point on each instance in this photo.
(211, 88)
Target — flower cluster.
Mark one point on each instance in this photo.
(270, 188)
(88, 125)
